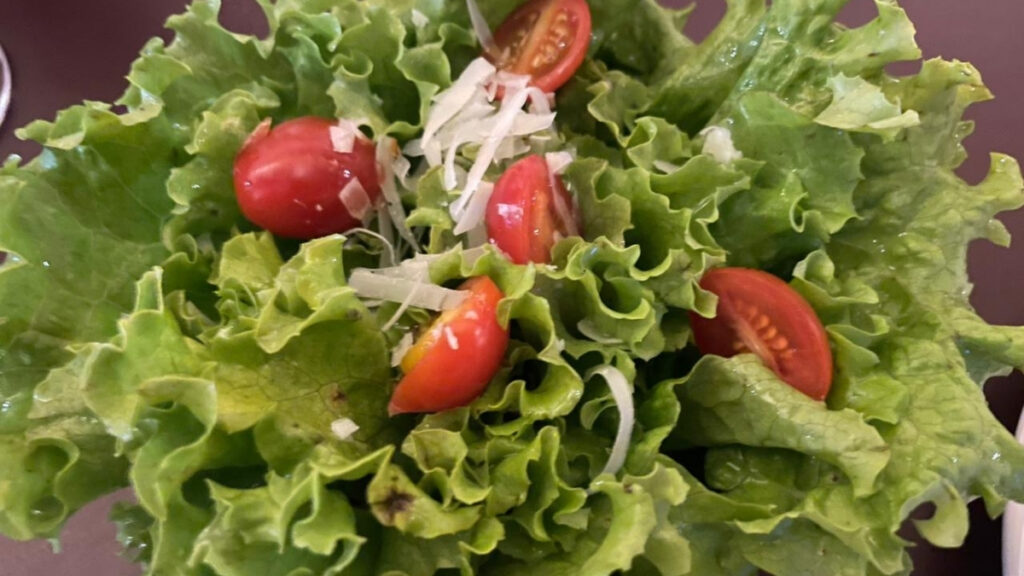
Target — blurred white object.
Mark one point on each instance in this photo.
(5, 85)
(1013, 529)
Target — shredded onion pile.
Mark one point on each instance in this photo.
(468, 114)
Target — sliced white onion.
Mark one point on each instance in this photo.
(344, 428)
(476, 237)
(481, 29)
(558, 161)
(451, 177)
(511, 148)
(414, 147)
(623, 396)
(415, 270)
(449, 102)
(412, 269)
(475, 211)
(5, 85)
(474, 128)
(401, 167)
(433, 153)
(527, 124)
(511, 80)
(369, 284)
(385, 162)
(419, 19)
(719, 145)
(666, 167)
(387, 232)
(466, 115)
(511, 106)
(556, 165)
(477, 108)
(344, 134)
(355, 199)
(409, 299)
(541, 102)
(507, 149)
(401, 349)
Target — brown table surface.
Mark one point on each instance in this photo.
(64, 51)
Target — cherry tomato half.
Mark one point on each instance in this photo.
(545, 39)
(760, 314)
(452, 363)
(289, 179)
(528, 210)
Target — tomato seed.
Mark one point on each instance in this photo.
(761, 322)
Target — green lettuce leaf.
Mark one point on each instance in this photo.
(149, 337)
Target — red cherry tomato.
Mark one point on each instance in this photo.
(545, 39)
(528, 210)
(452, 363)
(760, 314)
(289, 179)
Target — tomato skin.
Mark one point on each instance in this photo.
(545, 39)
(761, 314)
(522, 219)
(288, 179)
(439, 376)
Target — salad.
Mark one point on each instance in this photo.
(416, 287)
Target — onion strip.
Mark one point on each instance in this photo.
(416, 287)
(344, 134)
(481, 29)
(401, 349)
(355, 199)
(557, 162)
(421, 294)
(623, 396)
(385, 163)
(475, 211)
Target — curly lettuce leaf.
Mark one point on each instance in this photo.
(170, 349)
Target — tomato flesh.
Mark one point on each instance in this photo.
(544, 39)
(289, 179)
(760, 314)
(528, 211)
(452, 363)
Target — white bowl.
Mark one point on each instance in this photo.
(1013, 529)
